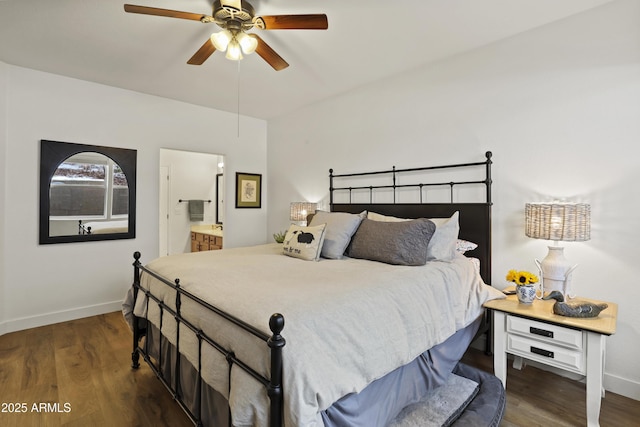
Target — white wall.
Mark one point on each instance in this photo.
(559, 108)
(47, 283)
(193, 176)
(3, 182)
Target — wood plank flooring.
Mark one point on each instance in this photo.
(537, 398)
(84, 364)
(78, 374)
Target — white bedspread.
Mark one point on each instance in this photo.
(347, 322)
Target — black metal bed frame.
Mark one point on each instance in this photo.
(395, 172)
(478, 217)
(475, 225)
(275, 342)
(83, 229)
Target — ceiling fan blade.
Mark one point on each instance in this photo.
(202, 54)
(270, 55)
(293, 22)
(132, 8)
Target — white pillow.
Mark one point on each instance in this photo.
(384, 218)
(304, 242)
(340, 227)
(442, 245)
(463, 246)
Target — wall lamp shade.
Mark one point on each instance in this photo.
(567, 222)
(299, 210)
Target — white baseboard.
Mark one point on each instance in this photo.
(29, 322)
(612, 383)
(622, 386)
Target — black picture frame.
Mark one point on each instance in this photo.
(248, 190)
(52, 154)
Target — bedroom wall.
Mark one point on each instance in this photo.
(44, 284)
(559, 108)
(3, 181)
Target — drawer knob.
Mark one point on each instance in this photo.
(541, 332)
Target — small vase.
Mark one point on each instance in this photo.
(526, 293)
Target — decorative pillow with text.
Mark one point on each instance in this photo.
(304, 242)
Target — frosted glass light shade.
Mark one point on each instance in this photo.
(221, 40)
(234, 52)
(247, 42)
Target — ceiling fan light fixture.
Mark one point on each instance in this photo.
(247, 42)
(235, 18)
(221, 39)
(234, 52)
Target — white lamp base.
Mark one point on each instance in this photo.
(556, 271)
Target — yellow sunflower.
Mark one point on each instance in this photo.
(521, 277)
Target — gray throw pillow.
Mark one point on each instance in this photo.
(340, 228)
(399, 243)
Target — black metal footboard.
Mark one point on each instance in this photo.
(275, 342)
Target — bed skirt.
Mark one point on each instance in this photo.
(404, 386)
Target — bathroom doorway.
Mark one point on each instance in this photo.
(187, 176)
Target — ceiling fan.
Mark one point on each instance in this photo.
(236, 17)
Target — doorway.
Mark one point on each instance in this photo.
(185, 176)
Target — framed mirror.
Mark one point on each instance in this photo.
(87, 192)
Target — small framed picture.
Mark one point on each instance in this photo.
(248, 190)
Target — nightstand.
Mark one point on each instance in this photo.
(533, 332)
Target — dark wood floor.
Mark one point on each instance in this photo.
(540, 398)
(78, 374)
(85, 364)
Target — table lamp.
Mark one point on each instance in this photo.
(298, 211)
(557, 221)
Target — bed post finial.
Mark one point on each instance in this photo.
(488, 180)
(331, 189)
(276, 342)
(276, 324)
(137, 332)
(136, 268)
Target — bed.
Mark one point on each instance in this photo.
(380, 304)
(103, 227)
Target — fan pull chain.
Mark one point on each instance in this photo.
(238, 100)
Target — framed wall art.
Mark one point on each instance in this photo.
(248, 190)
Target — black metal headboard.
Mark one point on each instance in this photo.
(474, 217)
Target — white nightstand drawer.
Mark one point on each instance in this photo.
(548, 354)
(546, 332)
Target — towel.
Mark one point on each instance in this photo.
(196, 210)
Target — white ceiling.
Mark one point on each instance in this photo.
(96, 40)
